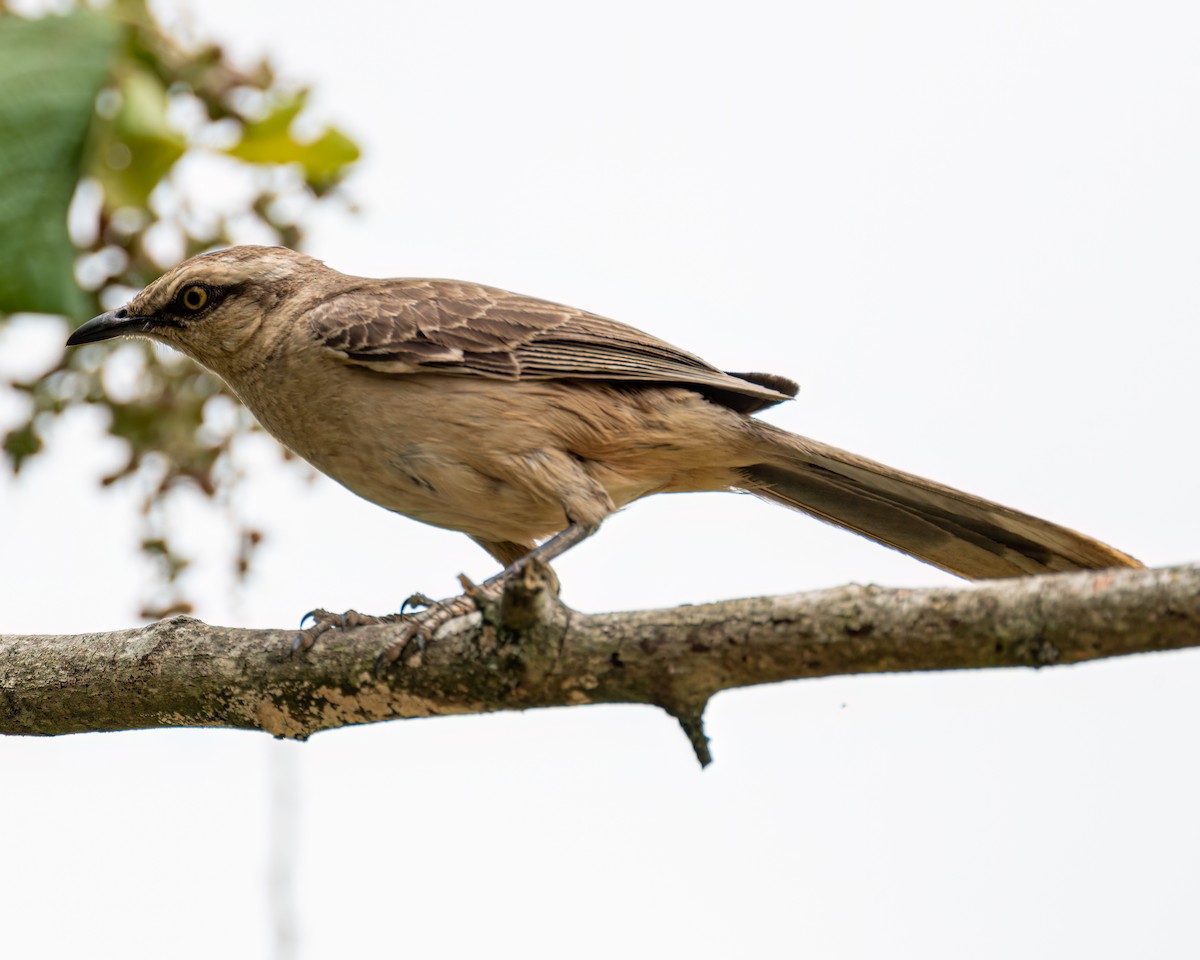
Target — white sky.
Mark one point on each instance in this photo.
(969, 230)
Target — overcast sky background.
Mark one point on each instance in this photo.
(968, 229)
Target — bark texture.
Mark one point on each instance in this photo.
(530, 651)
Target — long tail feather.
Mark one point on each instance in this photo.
(959, 532)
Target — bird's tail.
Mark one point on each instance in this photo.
(961, 533)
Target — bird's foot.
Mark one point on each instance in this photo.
(419, 624)
(419, 628)
(323, 621)
(416, 601)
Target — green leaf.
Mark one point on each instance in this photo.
(270, 140)
(130, 154)
(50, 72)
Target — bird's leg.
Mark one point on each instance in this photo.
(419, 628)
(555, 547)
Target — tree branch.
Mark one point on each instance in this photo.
(530, 651)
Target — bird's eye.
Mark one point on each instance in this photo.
(194, 298)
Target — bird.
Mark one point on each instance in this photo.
(525, 423)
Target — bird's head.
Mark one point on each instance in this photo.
(212, 306)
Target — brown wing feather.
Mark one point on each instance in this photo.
(445, 326)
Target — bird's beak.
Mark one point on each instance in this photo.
(106, 326)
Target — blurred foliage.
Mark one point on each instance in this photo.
(124, 151)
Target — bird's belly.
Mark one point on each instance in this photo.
(499, 461)
(444, 491)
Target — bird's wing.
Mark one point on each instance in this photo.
(448, 327)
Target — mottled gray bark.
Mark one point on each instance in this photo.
(530, 651)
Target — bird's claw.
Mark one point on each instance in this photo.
(414, 634)
(414, 637)
(324, 621)
(419, 629)
(418, 599)
(304, 639)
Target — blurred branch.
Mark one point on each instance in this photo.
(124, 150)
(182, 672)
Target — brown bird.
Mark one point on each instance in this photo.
(519, 421)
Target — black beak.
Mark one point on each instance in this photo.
(108, 325)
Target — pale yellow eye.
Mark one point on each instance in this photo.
(194, 298)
